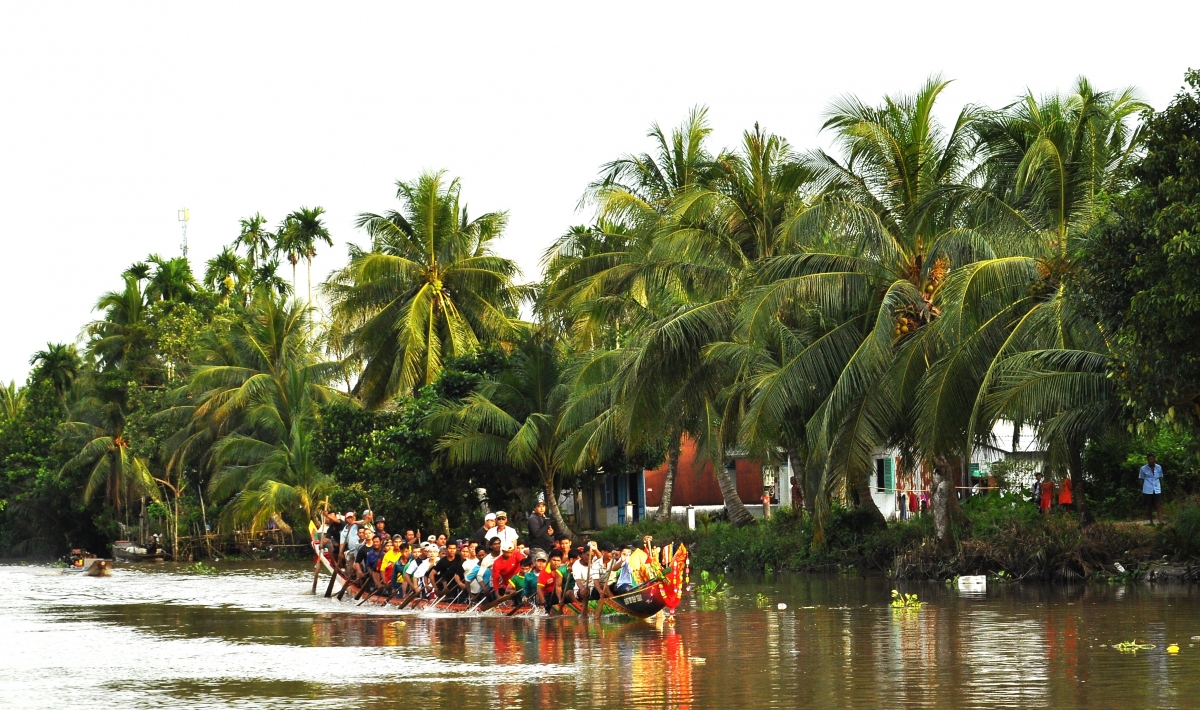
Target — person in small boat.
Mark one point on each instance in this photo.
(381, 526)
(410, 538)
(441, 541)
(493, 553)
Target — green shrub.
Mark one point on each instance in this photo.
(1186, 525)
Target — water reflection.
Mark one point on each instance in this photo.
(145, 639)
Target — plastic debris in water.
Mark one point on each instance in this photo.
(782, 606)
(1173, 648)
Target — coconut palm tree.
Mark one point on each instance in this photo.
(608, 284)
(298, 236)
(513, 420)
(234, 366)
(1044, 163)
(429, 288)
(59, 363)
(122, 476)
(867, 257)
(266, 469)
(123, 330)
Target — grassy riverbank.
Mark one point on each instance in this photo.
(993, 536)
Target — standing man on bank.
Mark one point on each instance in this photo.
(1151, 475)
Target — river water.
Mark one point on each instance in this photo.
(254, 637)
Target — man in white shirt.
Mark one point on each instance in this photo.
(581, 575)
(485, 565)
(350, 540)
(1151, 475)
(505, 534)
(470, 565)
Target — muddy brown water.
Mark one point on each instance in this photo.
(251, 636)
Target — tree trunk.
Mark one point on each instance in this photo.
(738, 515)
(560, 525)
(1075, 467)
(943, 489)
(866, 501)
(664, 507)
(309, 279)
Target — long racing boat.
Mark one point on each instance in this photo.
(662, 592)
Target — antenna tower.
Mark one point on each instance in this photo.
(184, 215)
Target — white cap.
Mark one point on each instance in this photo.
(431, 538)
(490, 516)
(507, 547)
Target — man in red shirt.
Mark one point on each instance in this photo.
(506, 566)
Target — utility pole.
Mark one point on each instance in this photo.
(184, 215)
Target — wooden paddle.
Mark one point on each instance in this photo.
(368, 584)
(517, 604)
(345, 586)
(408, 598)
(493, 603)
(332, 579)
(380, 589)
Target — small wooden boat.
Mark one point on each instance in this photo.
(642, 602)
(126, 551)
(91, 566)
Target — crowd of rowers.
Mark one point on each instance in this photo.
(494, 565)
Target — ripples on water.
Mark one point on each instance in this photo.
(253, 637)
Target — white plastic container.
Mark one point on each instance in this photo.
(974, 584)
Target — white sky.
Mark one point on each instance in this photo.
(115, 115)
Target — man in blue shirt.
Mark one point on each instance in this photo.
(1151, 475)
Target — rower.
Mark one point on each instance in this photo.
(625, 574)
(505, 567)
(546, 580)
(448, 573)
(494, 553)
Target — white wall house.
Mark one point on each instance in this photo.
(890, 486)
